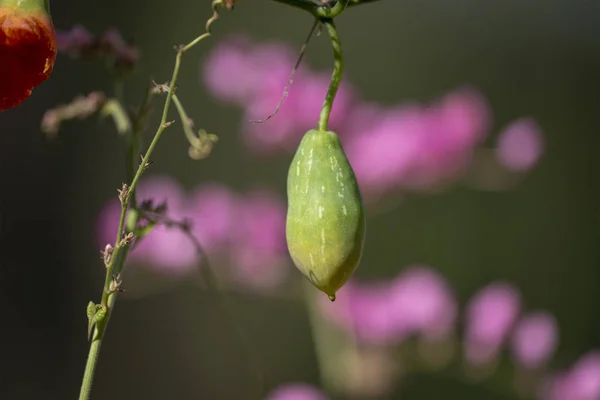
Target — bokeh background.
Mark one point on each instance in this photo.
(535, 58)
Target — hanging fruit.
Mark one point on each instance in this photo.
(27, 49)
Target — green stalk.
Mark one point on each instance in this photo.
(117, 260)
(336, 77)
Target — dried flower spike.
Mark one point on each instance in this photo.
(27, 49)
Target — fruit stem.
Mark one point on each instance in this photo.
(336, 77)
(320, 8)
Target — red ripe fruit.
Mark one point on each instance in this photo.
(27, 49)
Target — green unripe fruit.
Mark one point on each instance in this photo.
(325, 225)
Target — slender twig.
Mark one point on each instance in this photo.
(122, 240)
(336, 77)
(291, 77)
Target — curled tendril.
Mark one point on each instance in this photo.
(201, 144)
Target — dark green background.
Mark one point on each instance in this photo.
(538, 58)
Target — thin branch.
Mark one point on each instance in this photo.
(126, 194)
(291, 78)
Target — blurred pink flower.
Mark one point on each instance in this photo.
(456, 125)
(384, 155)
(371, 317)
(258, 250)
(418, 301)
(423, 302)
(338, 312)
(416, 147)
(520, 145)
(296, 391)
(581, 382)
(299, 112)
(534, 339)
(490, 316)
(238, 71)
(165, 249)
(250, 229)
(405, 147)
(212, 208)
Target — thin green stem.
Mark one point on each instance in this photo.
(115, 265)
(336, 77)
(90, 368)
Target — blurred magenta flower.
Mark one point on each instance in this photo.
(266, 69)
(296, 391)
(534, 339)
(212, 208)
(520, 145)
(456, 125)
(581, 382)
(418, 301)
(416, 147)
(238, 71)
(384, 155)
(371, 317)
(298, 113)
(408, 146)
(258, 249)
(248, 231)
(423, 302)
(164, 249)
(490, 316)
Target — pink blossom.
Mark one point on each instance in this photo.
(168, 249)
(456, 124)
(404, 147)
(254, 76)
(384, 155)
(298, 113)
(259, 251)
(238, 71)
(413, 146)
(212, 208)
(423, 302)
(534, 339)
(163, 246)
(297, 391)
(418, 301)
(520, 145)
(490, 316)
(338, 312)
(581, 382)
(372, 318)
